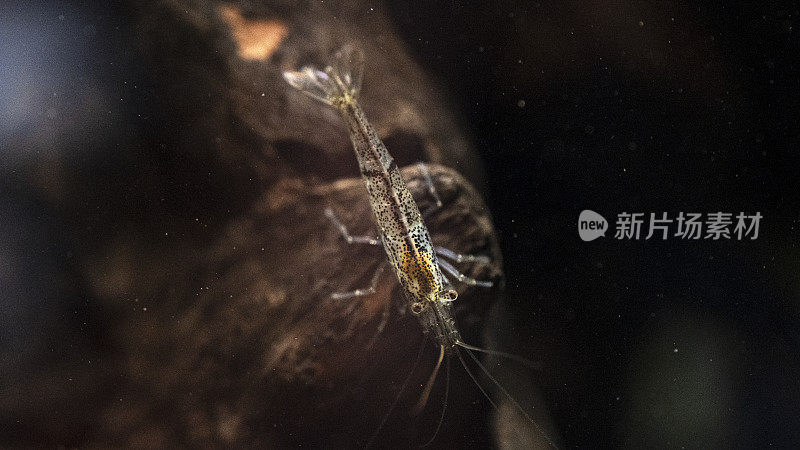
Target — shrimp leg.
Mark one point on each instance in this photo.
(345, 234)
(447, 267)
(373, 284)
(457, 257)
(369, 291)
(364, 291)
(387, 308)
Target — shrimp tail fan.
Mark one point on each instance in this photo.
(338, 83)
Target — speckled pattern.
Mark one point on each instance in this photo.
(404, 236)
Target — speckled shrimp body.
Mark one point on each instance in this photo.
(402, 232)
(404, 236)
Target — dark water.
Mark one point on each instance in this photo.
(631, 107)
(639, 107)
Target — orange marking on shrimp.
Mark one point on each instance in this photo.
(419, 267)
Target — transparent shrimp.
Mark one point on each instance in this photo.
(402, 232)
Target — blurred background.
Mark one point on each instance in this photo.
(639, 107)
(621, 106)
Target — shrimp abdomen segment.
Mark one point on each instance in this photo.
(414, 261)
(405, 237)
(394, 207)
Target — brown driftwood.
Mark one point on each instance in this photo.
(254, 338)
(210, 271)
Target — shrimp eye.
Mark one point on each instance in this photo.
(448, 295)
(417, 307)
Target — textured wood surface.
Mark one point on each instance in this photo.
(205, 262)
(251, 336)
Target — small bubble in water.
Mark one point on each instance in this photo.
(521, 103)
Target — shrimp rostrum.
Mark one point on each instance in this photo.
(402, 232)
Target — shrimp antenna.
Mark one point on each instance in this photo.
(464, 363)
(505, 392)
(399, 393)
(423, 399)
(525, 362)
(444, 405)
